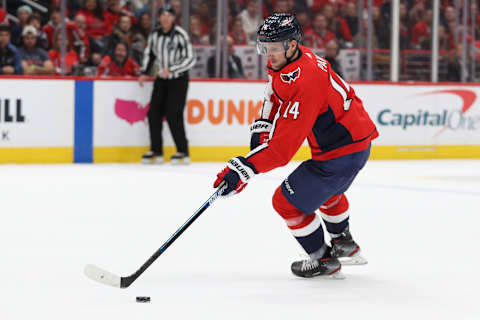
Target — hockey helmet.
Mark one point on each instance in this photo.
(279, 27)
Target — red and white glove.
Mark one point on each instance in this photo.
(236, 174)
(260, 132)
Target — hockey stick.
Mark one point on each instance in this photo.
(98, 274)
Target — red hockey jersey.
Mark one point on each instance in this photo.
(307, 99)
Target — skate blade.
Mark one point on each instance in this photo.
(356, 260)
(180, 162)
(336, 276)
(152, 161)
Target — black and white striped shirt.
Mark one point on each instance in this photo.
(171, 50)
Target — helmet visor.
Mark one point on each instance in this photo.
(267, 48)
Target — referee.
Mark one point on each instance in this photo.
(170, 50)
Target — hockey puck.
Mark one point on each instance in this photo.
(143, 299)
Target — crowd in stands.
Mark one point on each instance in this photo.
(107, 37)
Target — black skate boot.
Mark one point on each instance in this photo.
(327, 266)
(152, 158)
(347, 250)
(180, 158)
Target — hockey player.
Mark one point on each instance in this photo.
(305, 98)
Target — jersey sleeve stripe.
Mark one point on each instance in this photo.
(338, 88)
(267, 103)
(347, 86)
(274, 125)
(256, 150)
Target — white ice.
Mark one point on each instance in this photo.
(416, 221)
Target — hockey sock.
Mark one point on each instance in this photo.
(307, 229)
(335, 214)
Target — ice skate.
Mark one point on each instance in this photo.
(327, 266)
(180, 158)
(346, 250)
(152, 158)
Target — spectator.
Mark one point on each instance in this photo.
(282, 6)
(454, 65)
(203, 13)
(250, 21)
(416, 13)
(318, 36)
(304, 20)
(351, 18)
(360, 40)
(9, 59)
(35, 20)
(234, 67)
(140, 36)
(196, 34)
(71, 57)
(301, 6)
(51, 26)
(3, 17)
(177, 7)
(452, 29)
(113, 12)
(382, 31)
(138, 5)
(96, 29)
(445, 41)
(23, 13)
(473, 16)
(421, 31)
(331, 54)
(118, 64)
(317, 5)
(94, 15)
(237, 34)
(73, 6)
(121, 33)
(448, 16)
(35, 60)
(211, 37)
(78, 37)
(404, 31)
(337, 25)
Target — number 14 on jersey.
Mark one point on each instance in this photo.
(291, 109)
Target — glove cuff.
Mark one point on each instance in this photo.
(261, 125)
(243, 168)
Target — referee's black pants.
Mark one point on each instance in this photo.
(168, 100)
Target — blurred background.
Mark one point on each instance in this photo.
(406, 40)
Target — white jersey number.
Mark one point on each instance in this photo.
(292, 109)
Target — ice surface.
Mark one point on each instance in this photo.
(417, 223)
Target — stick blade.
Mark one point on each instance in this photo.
(98, 274)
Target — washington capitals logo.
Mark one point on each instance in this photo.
(291, 76)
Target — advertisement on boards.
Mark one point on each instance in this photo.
(423, 115)
(216, 113)
(36, 113)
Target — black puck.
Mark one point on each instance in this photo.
(143, 299)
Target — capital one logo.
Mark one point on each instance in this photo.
(446, 119)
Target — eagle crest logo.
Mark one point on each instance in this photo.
(291, 76)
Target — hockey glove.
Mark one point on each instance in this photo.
(236, 174)
(260, 132)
